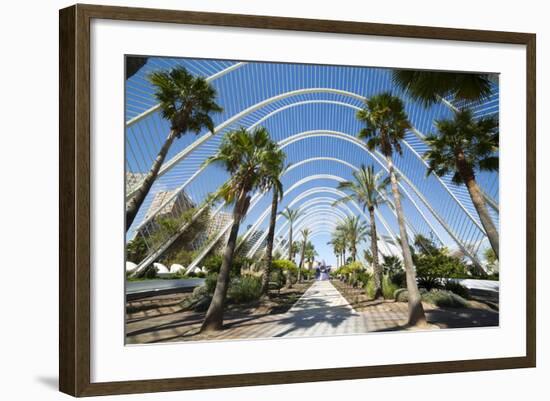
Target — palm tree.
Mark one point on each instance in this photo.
(385, 126)
(429, 87)
(369, 190)
(250, 158)
(305, 235)
(291, 215)
(277, 189)
(310, 252)
(355, 232)
(338, 246)
(461, 147)
(186, 102)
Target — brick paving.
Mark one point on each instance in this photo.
(321, 311)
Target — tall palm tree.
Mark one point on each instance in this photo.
(291, 215)
(250, 158)
(355, 232)
(277, 189)
(462, 146)
(385, 125)
(369, 190)
(338, 245)
(310, 252)
(186, 102)
(429, 87)
(305, 236)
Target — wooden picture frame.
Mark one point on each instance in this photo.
(74, 203)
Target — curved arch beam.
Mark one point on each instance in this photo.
(199, 141)
(301, 224)
(322, 176)
(340, 193)
(324, 227)
(311, 202)
(345, 163)
(419, 134)
(253, 108)
(411, 199)
(358, 143)
(281, 143)
(211, 78)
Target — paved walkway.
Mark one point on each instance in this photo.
(321, 311)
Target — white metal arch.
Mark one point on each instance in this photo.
(199, 141)
(340, 194)
(328, 227)
(301, 222)
(340, 179)
(345, 163)
(310, 203)
(259, 105)
(411, 199)
(375, 157)
(211, 78)
(282, 144)
(348, 138)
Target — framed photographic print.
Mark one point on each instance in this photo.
(250, 200)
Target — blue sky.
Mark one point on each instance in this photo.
(253, 82)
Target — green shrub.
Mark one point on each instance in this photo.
(492, 276)
(401, 295)
(151, 272)
(212, 263)
(444, 299)
(285, 265)
(457, 289)
(277, 277)
(240, 263)
(182, 257)
(179, 275)
(136, 249)
(199, 299)
(245, 289)
(241, 289)
(370, 290)
(433, 270)
(391, 265)
(349, 273)
(210, 282)
(363, 278)
(399, 279)
(388, 288)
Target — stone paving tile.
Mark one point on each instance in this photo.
(321, 311)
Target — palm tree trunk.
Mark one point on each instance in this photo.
(416, 310)
(213, 320)
(301, 260)
(344, 257)
(374, 250)
(479, 202)
(290, 242)
(133, 205)
(269, 245)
